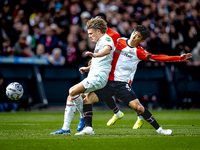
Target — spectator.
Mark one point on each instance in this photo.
(164, 46)
(196, 55)
(83, 35)
(85, 16)
(75, 29)
(74, 10)
(113, 10)
(40, 51)
(175, 38)
(125, 30)
(102, 5)
(62, 31)
(61, 16)
(71, 50)
(21, 16)
(191, 39)
(7, 17)
(17, 28)
(89, 5)
(37, 33)
(50, 40)
(56, 57)
(70, 17)
(5, 103)
(83, 48)
(7, 49)
(20, 46)
(154, 40)
(30, 39)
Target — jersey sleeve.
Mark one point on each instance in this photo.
(108, 42)
(144, 55)
(113, 34)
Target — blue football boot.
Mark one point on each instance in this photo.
(61, 131)
(81, 124)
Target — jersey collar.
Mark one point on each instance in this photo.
(128, 44)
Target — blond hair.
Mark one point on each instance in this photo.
(97, 23)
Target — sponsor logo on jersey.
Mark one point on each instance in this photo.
(123, 53)
(108, 39)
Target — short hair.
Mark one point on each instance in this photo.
(143, 30)
(102, 15)
(97, 23)
(56, 50)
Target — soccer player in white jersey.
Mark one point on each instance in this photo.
(126, 57)
(99, 70)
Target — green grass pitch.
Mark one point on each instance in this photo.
(30, 131)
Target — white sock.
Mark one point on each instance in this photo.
(78, 100)
(140, 117)
(70, 110)
(118, 114)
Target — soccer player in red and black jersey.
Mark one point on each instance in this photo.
(125, 60)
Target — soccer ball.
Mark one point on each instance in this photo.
(14, 91)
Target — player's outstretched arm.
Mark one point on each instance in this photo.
(106, 50)
(143, 55)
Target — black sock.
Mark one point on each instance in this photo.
(111, 104)
(150, 119)
(87, 110)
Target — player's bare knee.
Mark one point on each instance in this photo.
(140, 108)
(71, 91)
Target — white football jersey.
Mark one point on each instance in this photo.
(102, 65)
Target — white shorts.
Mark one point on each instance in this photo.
(93, 83)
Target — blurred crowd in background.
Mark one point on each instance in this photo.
(56, 29)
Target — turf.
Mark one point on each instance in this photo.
(30, 131)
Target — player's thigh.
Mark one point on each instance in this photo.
(124, 93)
(76, 89)
(91, 98)
(104, 94)
(93, 83)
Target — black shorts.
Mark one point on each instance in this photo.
(121, 90)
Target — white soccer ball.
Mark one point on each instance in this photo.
(14, 91)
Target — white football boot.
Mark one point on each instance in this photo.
(164, 132)
(86, 131)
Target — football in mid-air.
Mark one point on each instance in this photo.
(14, 91)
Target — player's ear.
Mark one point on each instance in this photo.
(98, 30)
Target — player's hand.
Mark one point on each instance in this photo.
(83, 70)
(90, 62)
(186, 56)
(90, 54)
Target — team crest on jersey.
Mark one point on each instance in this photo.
(108, 39)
